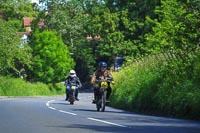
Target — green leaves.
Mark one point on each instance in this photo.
(12, 55)
(17, 9)
(172, 28)
(51, 57)
(161, 85)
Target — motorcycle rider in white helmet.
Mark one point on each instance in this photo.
(72, 79)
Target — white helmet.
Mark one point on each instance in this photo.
(72, 73)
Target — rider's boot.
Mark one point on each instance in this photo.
(67, 97)
(93, 101)
(108, 94)
(76, 97)
(95, 98)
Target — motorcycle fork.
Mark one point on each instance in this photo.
(72, 95)
(102, 97)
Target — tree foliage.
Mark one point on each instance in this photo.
(171, 28)
(127, 27)
(17, 9)
(68, 19)
(13, 11)
(51, 57)
(14, 54)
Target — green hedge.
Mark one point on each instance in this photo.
(17, 87)
(167, 88)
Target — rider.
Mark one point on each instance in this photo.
(102, 73)
(72, 79)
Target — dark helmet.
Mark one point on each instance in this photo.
(102, 64)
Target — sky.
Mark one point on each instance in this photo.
(36, 1)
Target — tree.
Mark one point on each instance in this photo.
(13, 56)
(133, 24)
(192, 22)
(170, 29)
(127, 28)
(104, 23)
(15, 10)
(52, 60)
(68, 19)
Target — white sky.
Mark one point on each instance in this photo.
(36, 1)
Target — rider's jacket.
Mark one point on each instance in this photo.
(73, 81)
(99, 75)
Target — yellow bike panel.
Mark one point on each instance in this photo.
(104, 84)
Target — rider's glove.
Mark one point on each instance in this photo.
(113, 82)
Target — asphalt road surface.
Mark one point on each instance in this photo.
(55, 115)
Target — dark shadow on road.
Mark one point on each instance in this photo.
(86, 90)
(94, 110)
(131, 129)
(87, 110)
(95, 128)
(67, 103)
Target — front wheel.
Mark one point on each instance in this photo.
(98, 108)
(103, 103)
(72, 97)
(98, 104)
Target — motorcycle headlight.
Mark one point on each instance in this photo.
(73, 87)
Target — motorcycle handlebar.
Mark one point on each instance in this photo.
(73, 85)
(107, 80)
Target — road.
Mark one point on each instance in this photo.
(54, 115)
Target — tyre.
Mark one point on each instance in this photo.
(98, 103)
(103, 103)
(71, 98)
(98, 108)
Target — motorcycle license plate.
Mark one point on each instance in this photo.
(104, 84)
(73, 87)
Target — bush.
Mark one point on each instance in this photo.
(159, 87)
(17, 87)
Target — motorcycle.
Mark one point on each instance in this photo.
(71, 93)
(101, 95)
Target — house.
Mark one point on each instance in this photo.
(27, 25)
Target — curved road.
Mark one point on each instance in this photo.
(54, 115)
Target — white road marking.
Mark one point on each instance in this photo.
(106, 122)
(90, 118)
(67, 112)
(52, 108)
(48, 105)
